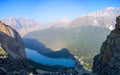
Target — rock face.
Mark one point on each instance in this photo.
(11, 41)
(108, 61)
(12, 53)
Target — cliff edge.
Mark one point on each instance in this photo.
(12, 53)
(108, 61)
(11, 42)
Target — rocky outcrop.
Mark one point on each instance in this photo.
(12, 53)
(10, 66)
(11, 41)
(108, 61)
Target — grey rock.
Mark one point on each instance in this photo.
(108, 61)
(12, 53)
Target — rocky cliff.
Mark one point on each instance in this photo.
(12, 53)
(108, 61)
(11, 41)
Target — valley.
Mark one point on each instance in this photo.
(74, 39)
(75, 35)
(62, 46)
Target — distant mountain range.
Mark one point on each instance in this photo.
(103, 18)
(24, 26)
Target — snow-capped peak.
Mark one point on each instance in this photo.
(107, 12)
(111, 8)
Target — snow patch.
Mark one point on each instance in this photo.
(111, 27)
(110, 8)
(95, 22)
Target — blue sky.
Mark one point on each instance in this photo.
(49, 10)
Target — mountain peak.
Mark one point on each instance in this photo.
(107, 12)
(110, 8)
(11, 18)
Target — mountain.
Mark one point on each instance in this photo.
(14, 43)
(102, 18)
(12, 53)
(107, 62)
(110, 11)
(18, 23)
(22, 25)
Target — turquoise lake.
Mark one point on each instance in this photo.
(39, 58)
